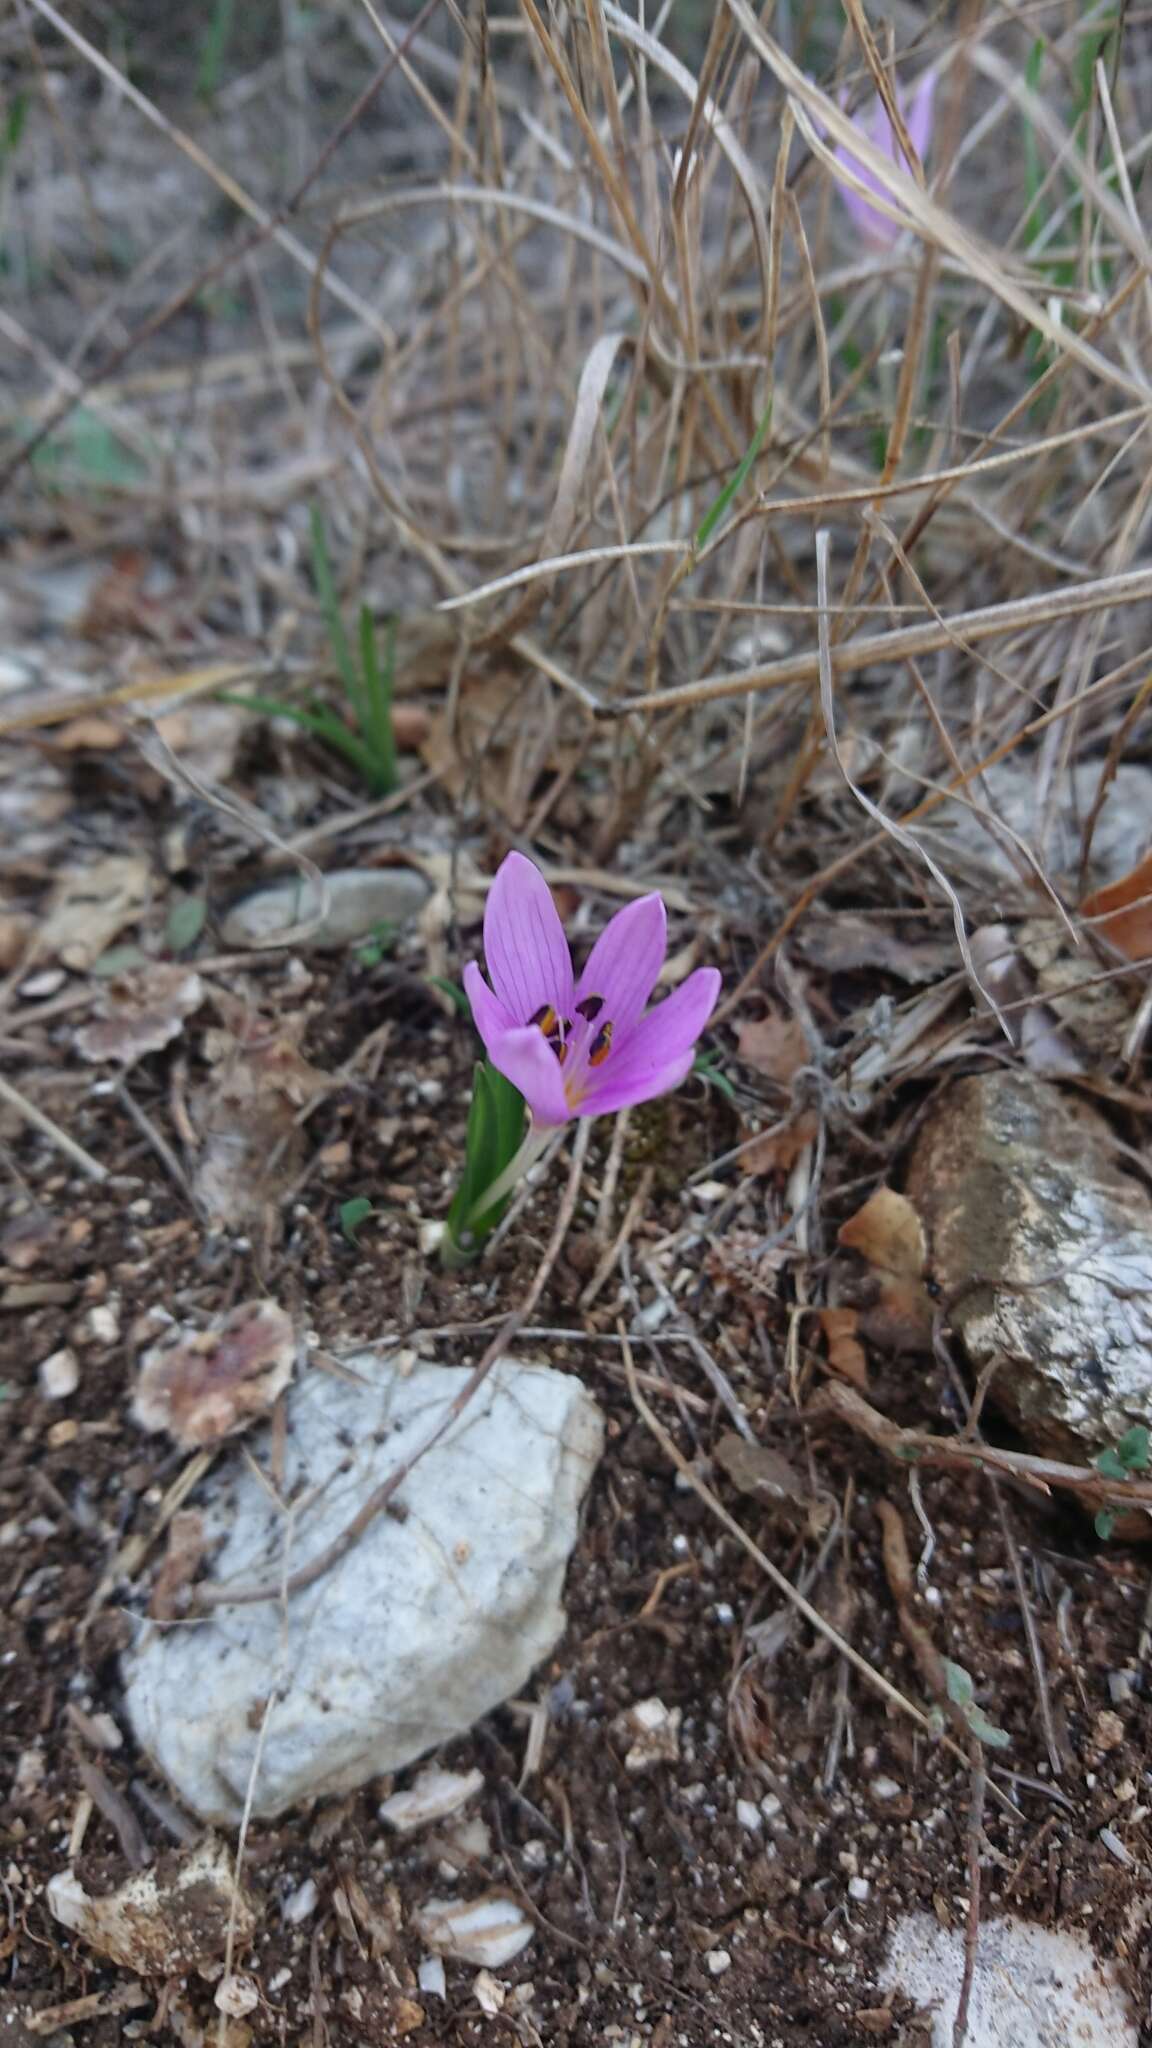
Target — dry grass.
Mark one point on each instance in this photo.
(534, 354)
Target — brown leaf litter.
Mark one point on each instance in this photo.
(204, 1385)
(139, 1011)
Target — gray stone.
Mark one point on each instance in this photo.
(1042, 1248)
(359, 901)
(1034, 1987)
(439, 1610)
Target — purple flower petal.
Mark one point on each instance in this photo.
(525, 1058)
(488, 1013)
(918, 115)
(623, 964)
(524, 945)
(659, 1050)
(917, 112)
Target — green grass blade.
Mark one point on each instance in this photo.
(1033, 174)
(330, 606)
(736, 481)
(319, 720)
(214, 49)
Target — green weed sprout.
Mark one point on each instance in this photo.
(1128, 1457)
(366, 740)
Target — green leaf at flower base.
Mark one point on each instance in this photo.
(1105, 1523)
(707, 1068)
(352, 1214)
(495, 1129)
(1110, 1465)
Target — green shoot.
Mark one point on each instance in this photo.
(214, 49)
(495, 1131)
(454, 993)
(366, 741)
(962, 1693)
(706, 1066)
(736, 481)
(352, 1214)
(1121, 1461)
(378, 944)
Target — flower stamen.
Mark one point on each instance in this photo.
(601, 1046)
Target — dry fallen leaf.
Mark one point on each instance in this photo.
(245, 1119)
(774, 1045)
(758, 1469)
(139, 1011)
(203, 1385)
(846, 1356)
(888, 1235)
(93, 906)
(1122, 913)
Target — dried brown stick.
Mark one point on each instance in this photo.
(209, 1597)
(958, 1454)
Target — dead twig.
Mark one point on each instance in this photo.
(958, 1454)
(52, 1131)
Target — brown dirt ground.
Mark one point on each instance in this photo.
(660, 1918)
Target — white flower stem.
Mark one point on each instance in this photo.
(536, 1141)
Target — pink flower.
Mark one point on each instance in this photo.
(874, 123)
(586, 1047)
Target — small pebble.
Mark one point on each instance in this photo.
(59, 1375)
(236, 1996)
(859, 1888)
(1109, 1730)
(749, 1815)
(718, 1960)
(432, 1978)
(301, 1904)
(47, 983)
(1115, 1847)
(102, 1324)
(885, 1788)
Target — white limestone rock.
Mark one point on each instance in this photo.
(1034, 1987)
(439, 1610)
(359, 901)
